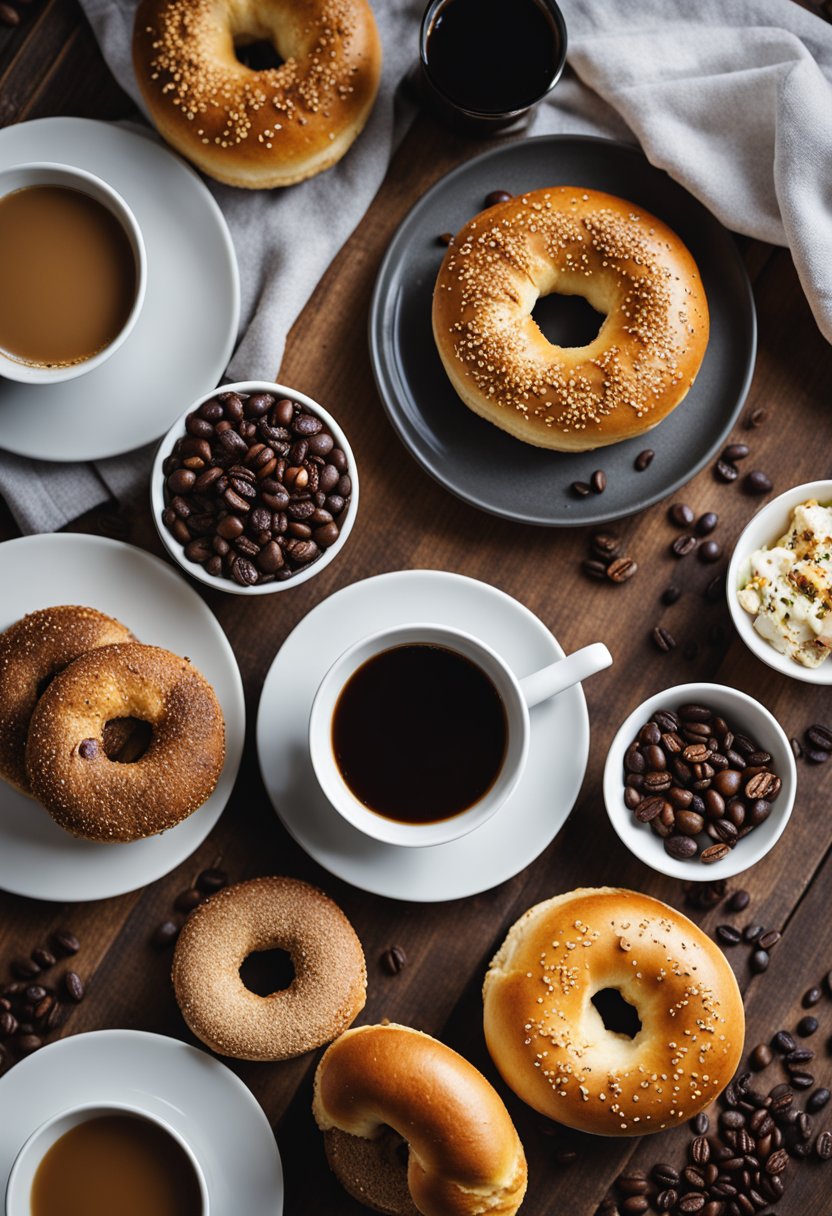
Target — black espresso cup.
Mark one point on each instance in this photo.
(484, 64)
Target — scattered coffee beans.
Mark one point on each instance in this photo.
(31, 1008)
(257, 489)
(757, 483)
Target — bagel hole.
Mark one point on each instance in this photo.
(126, 739)
(259, 55)
(567, 320)
(618, 1015)
(267, 971)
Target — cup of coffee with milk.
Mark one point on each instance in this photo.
(72, 272)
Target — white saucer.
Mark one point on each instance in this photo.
(37, 858)
(200, 1098)
(519, 831)
(186, 332)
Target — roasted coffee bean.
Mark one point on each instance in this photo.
(680, 847)
(807, 1026)
(496, 197)
(735, 452)
(643, 460)
(725, 471)
(65, 942)
(633, 1205)
(801, 1079)
(165, 934)
(606, 545)
(739, 901)
(760, 1057)
(211, 880)
(663, 639)
(814, 756)
(74, 987)
(188, 899)
(657, 783)
(811, 997)
(43, 957)
(759, 961)
(654, 757)
(783, 1042)
(244, 572)
(24, 968)
(664, 1175)
(665, 720)
(580, 488)
(756, 418)
(777, 1162)
(670, 595)
(683, 545)
(34, 993)
(649, 735)
(622, 569)
(757, 483)
(769, 939)
(799, 1057)
(394, 960)
(8, 1025)
(762, 785)
(594, 569)
(632, 798)
(709, 551)
(700, 1124)
(649, 808)
(681, 515)
(666, 1200)
(820, 737)
(700, 1151)
(8, 15)
(714, 852)
(689, 823)
(823, 1146)
(693, 1201)
(598, 481)
(706, 523)
(25, 1044)
(728, 935)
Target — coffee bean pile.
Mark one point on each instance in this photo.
(256, 489)
(607, 562)
(816, 746)
(30, 1008)
(700, 785)
(205, 884)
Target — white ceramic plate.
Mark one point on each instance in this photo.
(37, 858)
(186, 332)
(512, 838)
(198, 1096)
(770, 522)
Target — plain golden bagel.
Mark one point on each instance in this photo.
(325, 996)
(465, 1157)
(249, 128)
(630, 267)
(551, 1044)
(98, 798)
(32, 652)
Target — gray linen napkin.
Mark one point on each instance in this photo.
(733, 100)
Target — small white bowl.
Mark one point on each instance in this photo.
(157, 492)
(46, 173)
(27, 1161)
(763, 530)
(744, 714)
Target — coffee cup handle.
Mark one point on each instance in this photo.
(549, 681)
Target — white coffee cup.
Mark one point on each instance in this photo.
(47, 173)
(518, 697)
(27, 1161)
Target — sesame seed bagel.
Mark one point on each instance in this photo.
(465, 1157)
(630, 267)
(249, 128)
(69, 768)
(330, 982)
(551, 1044)
(32, 651)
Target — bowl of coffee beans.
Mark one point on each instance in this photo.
(700, 781)
(254, 489)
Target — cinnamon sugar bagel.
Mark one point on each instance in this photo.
(250, 128)
(326, 994)
(630, 267)
(464, 1155)
(69, 768)
(554, 1046)
(32, 652)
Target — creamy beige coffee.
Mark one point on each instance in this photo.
(67, 276)
(115, 1165)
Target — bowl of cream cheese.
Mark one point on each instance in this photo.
(779, 583)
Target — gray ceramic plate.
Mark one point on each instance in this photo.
(482, 464)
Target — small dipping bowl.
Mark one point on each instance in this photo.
(742, 713)
(21, 177)
(177, 549)
(770, 522)
(469, 119)
(30, 1156)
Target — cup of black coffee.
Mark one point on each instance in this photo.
(485, 63)
(418, 734)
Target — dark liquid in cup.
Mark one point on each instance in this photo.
(67, 276)
(419, 733)
(115, 1165)
(493, 56)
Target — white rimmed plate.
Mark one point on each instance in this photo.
(195, 1094)
(516, 834)
(185, 334)
(37, 858)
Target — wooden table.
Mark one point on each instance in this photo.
(50, 65)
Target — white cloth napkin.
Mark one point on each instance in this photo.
(733, 100)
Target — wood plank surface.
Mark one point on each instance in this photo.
(50, 65)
